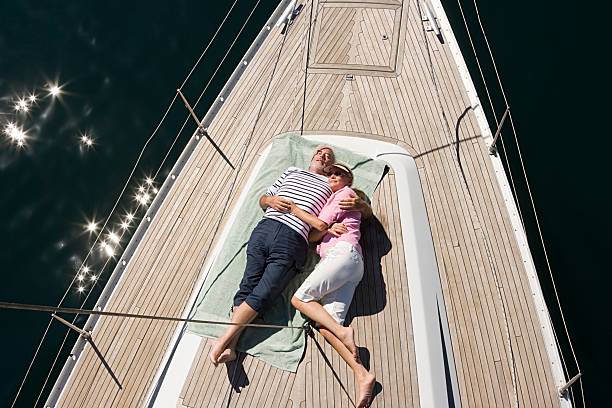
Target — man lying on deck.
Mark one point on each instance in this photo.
(278, 245)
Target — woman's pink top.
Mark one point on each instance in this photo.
(331, 213)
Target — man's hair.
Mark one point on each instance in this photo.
(321, 147)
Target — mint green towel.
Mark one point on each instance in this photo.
(282, 348)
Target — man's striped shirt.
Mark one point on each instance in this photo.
(308, 190)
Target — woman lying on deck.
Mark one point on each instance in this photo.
(326, 294)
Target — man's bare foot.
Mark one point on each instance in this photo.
(366, 384)
(216, 351)
(227, 356)
(348, 339)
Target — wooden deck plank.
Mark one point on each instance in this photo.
(455, 243)
(512, 291)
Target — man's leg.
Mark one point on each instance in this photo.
(286, 249)
(256, 257)
(257, 253)
(278, 273)
(229, 354)
(243, 314)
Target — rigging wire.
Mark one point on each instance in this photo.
(540, 234)
(158, 126)
(231, 46)
(235, 369)
(178, 134)
(167, 154)
(491, 105)
(483, 225)
(232, 186)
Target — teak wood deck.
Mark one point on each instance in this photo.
(376, 72)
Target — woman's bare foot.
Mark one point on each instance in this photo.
(347, 336)
(366, 384)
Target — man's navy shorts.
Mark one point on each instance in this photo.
(274, 254)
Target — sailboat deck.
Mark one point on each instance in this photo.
(404, 88)
(323, 380)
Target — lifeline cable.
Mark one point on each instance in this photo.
(491, 105)
(46, 331)
(73, 310)
(162, 163)
(168, 153)
(533, 207)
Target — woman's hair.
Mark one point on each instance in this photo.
(363, 196)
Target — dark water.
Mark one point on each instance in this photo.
(119, 63)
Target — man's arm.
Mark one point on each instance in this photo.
(359, 203)
(270, 198)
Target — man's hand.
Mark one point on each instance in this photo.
(350, 204)
(337, 229)
(278, 203)
(358, 203)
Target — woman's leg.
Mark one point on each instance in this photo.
(316, 312)
(365, 380)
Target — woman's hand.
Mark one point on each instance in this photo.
(337, 229)
(279, 204)
(293, 208)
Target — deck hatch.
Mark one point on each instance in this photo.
(357, 37)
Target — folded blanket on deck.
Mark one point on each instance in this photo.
(282, 348)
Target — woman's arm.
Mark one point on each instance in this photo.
(315, 235)
(308, 218)
(336, 229)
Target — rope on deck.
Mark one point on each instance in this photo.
(308, 39)
(79, 311)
